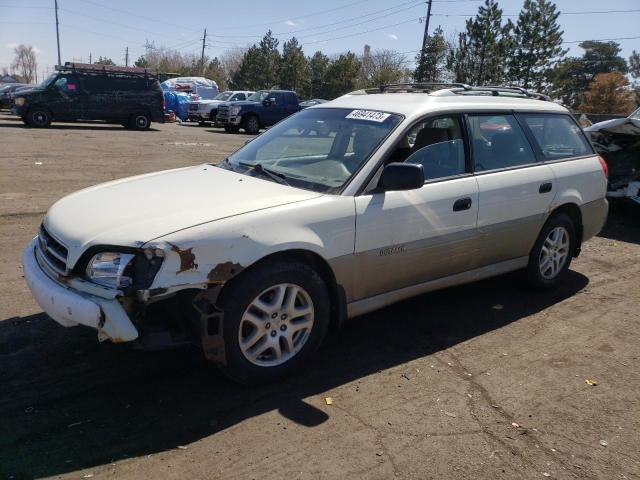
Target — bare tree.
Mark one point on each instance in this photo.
(25, 62)
(230, 61)
(382, 67)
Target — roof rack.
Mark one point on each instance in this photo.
(94, 68)
(502, 89)
(416, 87)
(458, 88)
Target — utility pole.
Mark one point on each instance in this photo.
(57, 31)
(126, 57)
(90, 58)
(426, 30)
(204, 40)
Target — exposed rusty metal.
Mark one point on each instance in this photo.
(187, 258)
(211, 318)
(223, 272)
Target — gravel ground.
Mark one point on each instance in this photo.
(481, 381)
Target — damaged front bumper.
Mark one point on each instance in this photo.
(71, 307)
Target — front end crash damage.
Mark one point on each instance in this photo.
(181, 305)
(618, 142)
(177, 308)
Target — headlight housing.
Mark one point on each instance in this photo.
(19, 101)
(108, 269)
(131, 269)
(235, 110)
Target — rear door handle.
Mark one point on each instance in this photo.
(545, 187)
(462, 204)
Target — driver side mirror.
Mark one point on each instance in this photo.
(267, 102)
(401, 176)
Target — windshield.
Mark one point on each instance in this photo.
(317, 149)
(222, 96)
(49, 80)
(258, 96)
(635, 115)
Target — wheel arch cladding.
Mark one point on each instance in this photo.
(574, 212)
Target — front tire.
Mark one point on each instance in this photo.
(551, 255)
(139, 121)
(275, 319)
(38, 117)
(251, 125)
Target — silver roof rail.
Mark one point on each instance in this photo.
(416, 87)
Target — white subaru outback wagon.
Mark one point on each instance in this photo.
(340, 209)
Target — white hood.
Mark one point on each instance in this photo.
(133, 211)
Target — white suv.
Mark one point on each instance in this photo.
(203, 111)
(340, 209)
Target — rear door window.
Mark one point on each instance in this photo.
(557, 136)
(290, 98)
(498, 142)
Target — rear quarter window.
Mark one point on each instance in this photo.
(557, 136)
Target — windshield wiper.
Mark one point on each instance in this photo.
(276, 176)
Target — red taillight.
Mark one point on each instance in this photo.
(605, 167)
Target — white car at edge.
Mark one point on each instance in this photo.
(338, 210)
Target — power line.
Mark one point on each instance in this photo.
(511, 15)
(358, 23)
(366, 31)
(416, 3)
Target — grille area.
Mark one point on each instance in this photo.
(223, 111)
(52, 252)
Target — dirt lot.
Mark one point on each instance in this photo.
(428, 388)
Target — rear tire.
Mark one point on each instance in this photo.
(251, 124)
(38, 117)
(551, 255)
(275, 339)
(139, 121)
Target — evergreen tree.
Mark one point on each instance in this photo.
(431, 61)
(141, 62)
(269, 61)
(260, 66)
(634, 64)
(104, 61)
(293, 70)
(342, 75)
(483, 48)
(317, 66)
(537, 42)
(247, 76)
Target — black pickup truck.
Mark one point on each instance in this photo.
(262, 109)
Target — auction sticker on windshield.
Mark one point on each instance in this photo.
(370, 115)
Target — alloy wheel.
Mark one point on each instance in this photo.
(276, 325)
(554, 253)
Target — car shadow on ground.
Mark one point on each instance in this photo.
(623, 223)
(74, 126)
(69, 403)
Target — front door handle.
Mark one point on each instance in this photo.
(462, 204)
(545, 187)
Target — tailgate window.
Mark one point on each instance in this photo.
(557, 136)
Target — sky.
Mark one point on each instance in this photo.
(107, 28)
